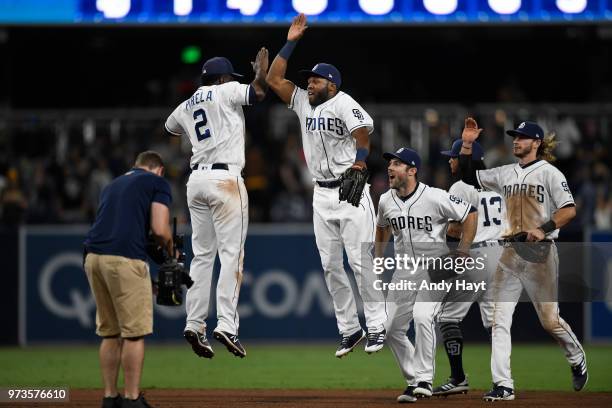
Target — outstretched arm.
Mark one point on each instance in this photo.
(466, 168)
(276, 75)
(260, 67)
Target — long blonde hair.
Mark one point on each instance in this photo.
(545, 150)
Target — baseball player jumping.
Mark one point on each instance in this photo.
(492, 225)
(417, 215)
(335, 136)
(218, 204)
(539, 202)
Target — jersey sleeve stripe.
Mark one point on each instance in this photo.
(566, 203)
(171, 131)
(478, 180)
(370, 125)
(467, 211)
(293, 97)
(246, 95)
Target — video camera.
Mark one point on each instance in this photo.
(172, 274)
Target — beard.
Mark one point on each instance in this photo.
(523, 152)
(397, 183)
(320, 97)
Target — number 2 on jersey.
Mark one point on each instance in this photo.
(492, 201)
(200, 123)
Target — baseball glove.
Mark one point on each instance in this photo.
(444, 266)
(352, 183)
(536, 252)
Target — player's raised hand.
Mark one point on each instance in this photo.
(262, 62)
(470, 130)
(298, 26)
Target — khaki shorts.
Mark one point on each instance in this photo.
(122, 290)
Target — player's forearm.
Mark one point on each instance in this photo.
(362, 138)
(563, 216)
(260, 85)
(467, 171)
(469, 232)
(381, 240)
(276, 73)
(454, 230)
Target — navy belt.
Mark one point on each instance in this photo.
(482, 244)
(215, 166)
(329, 184)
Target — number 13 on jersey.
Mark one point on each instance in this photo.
(200, 117)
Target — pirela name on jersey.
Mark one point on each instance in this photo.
(525, 190)
(421, 223)
(197, 98)
(325, 124)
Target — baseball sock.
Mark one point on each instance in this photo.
(453, 345)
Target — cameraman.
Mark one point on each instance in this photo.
(118, 274)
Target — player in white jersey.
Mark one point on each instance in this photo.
(218, 204)
(417, 215)
(492, 225)
(335, 137)
(539, 202)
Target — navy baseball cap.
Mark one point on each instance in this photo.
(405, 155)
(527, 129)
(219, 66)
(323, 70)
(477, 150)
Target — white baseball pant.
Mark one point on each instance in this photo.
(219, 209)
(339, 225)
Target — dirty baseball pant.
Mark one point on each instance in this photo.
(339, 225)
(540, 282)
(441, 306)
(218, 205)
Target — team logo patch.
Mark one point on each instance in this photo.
(453, 348)
(522, 125)
(357, 113)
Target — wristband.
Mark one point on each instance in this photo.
(548, 226)
(362, 154)
(287, 49)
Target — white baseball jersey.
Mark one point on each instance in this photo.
(492, 223)
(214, 121)
(421, 218)
(326, 132)
(532, 193)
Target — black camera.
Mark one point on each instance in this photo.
(172, 275)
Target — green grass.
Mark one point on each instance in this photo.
(291, 366)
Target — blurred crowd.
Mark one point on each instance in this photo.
(51, 176)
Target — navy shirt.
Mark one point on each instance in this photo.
(123, 219)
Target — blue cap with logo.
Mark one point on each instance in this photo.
(219, 66)
(477, 150)
(527, 129)
(405, 155)
(323, 70)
